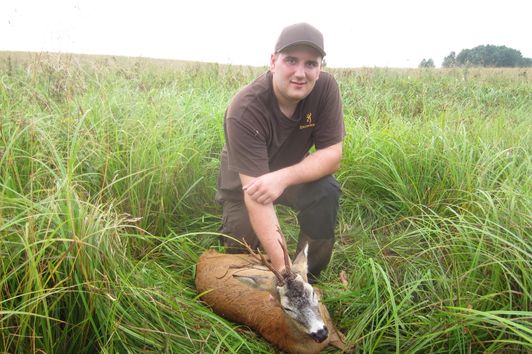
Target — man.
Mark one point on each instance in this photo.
(270, 127)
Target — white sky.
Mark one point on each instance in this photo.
(357, 33)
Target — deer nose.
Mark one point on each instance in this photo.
(320, 335)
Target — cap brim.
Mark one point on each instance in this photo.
(307, 43)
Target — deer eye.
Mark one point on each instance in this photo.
(287, 309)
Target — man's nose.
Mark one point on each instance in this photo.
(300, 71)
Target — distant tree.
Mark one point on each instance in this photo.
(527, 62)
(490, 56)
(426, 63)
(449, 61)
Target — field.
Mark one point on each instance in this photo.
(108, 171)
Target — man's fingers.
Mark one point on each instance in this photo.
(249, 189)
(264, 199)
(257, 195)
(249, 186)
(253, 191)
(259, 192)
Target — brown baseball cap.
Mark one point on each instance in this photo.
(300, 33)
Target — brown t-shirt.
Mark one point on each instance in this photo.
(259, 138)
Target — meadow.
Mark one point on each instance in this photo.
(108, 170)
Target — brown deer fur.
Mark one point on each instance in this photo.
(241, 303)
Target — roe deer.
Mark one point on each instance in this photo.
(282, 306)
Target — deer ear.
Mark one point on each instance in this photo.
(274, 301)
(300, 265)
(259, 282)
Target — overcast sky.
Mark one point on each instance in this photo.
(357, 33)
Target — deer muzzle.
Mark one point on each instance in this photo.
(320, 335)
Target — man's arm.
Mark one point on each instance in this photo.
(264, 222)
(262, 191)
(267, 188)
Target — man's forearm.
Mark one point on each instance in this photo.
(319, 164)
(267, 188)
(265, 223)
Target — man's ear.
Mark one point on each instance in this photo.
(273, 61)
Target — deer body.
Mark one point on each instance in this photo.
(219, 277)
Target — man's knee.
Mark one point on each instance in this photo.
(327, 192)
(319, 208)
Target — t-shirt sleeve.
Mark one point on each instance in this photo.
(246, 148)
(330, 127)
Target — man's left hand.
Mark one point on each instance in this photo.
(265, 189)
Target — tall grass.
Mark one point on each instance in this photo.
(107, 177)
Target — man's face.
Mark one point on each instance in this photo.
(295, 72)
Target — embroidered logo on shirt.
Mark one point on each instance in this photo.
(309, 123)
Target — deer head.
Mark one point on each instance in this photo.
(292, 292)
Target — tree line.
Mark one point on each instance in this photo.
(483, 56)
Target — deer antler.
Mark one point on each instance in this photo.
(282, 242)
(260, 257)
(288, 269)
